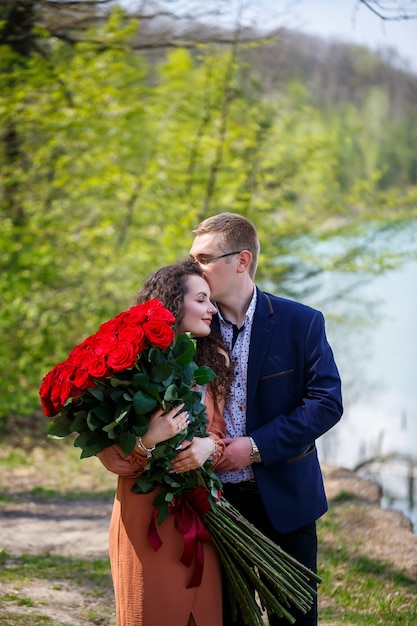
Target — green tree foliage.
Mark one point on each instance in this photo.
(109, 159)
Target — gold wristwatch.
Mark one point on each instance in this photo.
(255, 455)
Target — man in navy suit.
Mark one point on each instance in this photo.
(286, 394)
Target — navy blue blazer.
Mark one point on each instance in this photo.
(294, 396)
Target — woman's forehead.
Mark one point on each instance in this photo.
(197, 284)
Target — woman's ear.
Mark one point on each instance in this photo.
(245, 258)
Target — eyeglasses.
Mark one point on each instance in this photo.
(206, 261)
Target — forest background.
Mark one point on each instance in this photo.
(121, 130)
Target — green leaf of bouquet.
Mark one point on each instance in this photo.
(90, 445)
(166, 449)
(197, 407)
(120, 417)
(157, 356)
(163, 511)
(91, 450)
(154, 391)
(215, 491)
(139, 423)
(162, 373)
(111, 433)
(143, 485)
(143, 403)
(60, 427)
(117, 394)
(140, 429)
(116, 382)
(79, 421)
(161, 505)
(171, 480)
(127, 442)
(171, 393)
(186, 373)
(203, 375)
(93, 422)
(97, 393)
(184, 392)
(104, 412)
(140, 380)
(184, 350)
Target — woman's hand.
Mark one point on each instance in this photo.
(194, 454)
(164, 426)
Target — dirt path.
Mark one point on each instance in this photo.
(33, 526)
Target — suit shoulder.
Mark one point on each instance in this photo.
(285, 305)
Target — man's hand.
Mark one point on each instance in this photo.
(115, 460)
(237, 454)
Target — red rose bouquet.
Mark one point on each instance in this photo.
(114, 348)
(106, 390)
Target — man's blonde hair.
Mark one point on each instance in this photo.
(235, 232)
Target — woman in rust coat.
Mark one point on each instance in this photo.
(152, 587)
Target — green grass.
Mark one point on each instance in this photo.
(357, 590)
(52, 467)
(13, 619)
(92, 574)
(91, 578)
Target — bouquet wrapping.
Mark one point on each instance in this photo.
(105, 392)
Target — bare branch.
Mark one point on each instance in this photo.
(75, 3)
(392, 11)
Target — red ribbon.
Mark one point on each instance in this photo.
(188, 510)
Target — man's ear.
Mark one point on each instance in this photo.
(245, 258)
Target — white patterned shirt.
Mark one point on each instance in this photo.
(235, 408)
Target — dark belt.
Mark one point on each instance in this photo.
(246, 486)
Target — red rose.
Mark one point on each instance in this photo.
(96, 364)
(105, 341)
(79, 353)
(106, 334)
(48, 406)
(156, 311)
(159, 334)
(122, 356)
(135, 315)
(133, 334)
(107, 327)
(82, 378)
(61, 386)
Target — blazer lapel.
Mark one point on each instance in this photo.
(261, 335)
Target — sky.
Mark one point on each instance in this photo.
(352, 21)
(343, 20)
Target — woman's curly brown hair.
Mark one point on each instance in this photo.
(169, 285)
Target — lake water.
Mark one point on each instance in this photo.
(378, 368)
